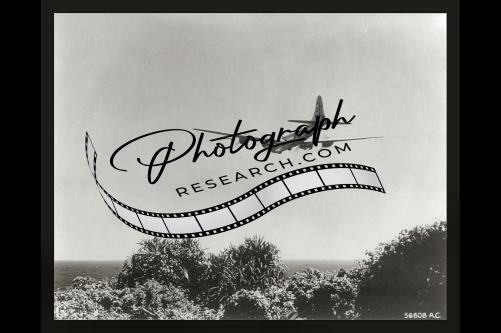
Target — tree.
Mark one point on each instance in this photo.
(253, 265)
(407, 274)
(181, 263)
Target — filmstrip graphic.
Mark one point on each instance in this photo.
(244, 209)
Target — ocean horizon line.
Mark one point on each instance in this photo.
(284, 259)
(66, 270)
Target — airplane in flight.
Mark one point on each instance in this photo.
(288, 139)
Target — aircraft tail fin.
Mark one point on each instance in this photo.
(319, 109)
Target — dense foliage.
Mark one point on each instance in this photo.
(177, 279)
(253, 265)
(247, 304)
(92, 299)
(407, 274)
(180, 263)
(272, 303)
(323, 295)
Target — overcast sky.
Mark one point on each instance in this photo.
(118, 76)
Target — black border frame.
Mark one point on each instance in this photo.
(49, 7)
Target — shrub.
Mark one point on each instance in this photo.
(323, 295)
(281, 303)
(247, 304)
(301, 285)
(152, 300)
(274, 303)
(91, 299)
(333, 298)
(88, 299)
(407, 274)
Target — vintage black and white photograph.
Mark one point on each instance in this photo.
(240, 166)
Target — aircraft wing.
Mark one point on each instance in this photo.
(352, 139)
(310, 122)
(222, 133)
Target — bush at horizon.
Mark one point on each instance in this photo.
(408, 274)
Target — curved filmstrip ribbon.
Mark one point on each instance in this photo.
(244, 209)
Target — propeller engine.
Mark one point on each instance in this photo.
(306, 145)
